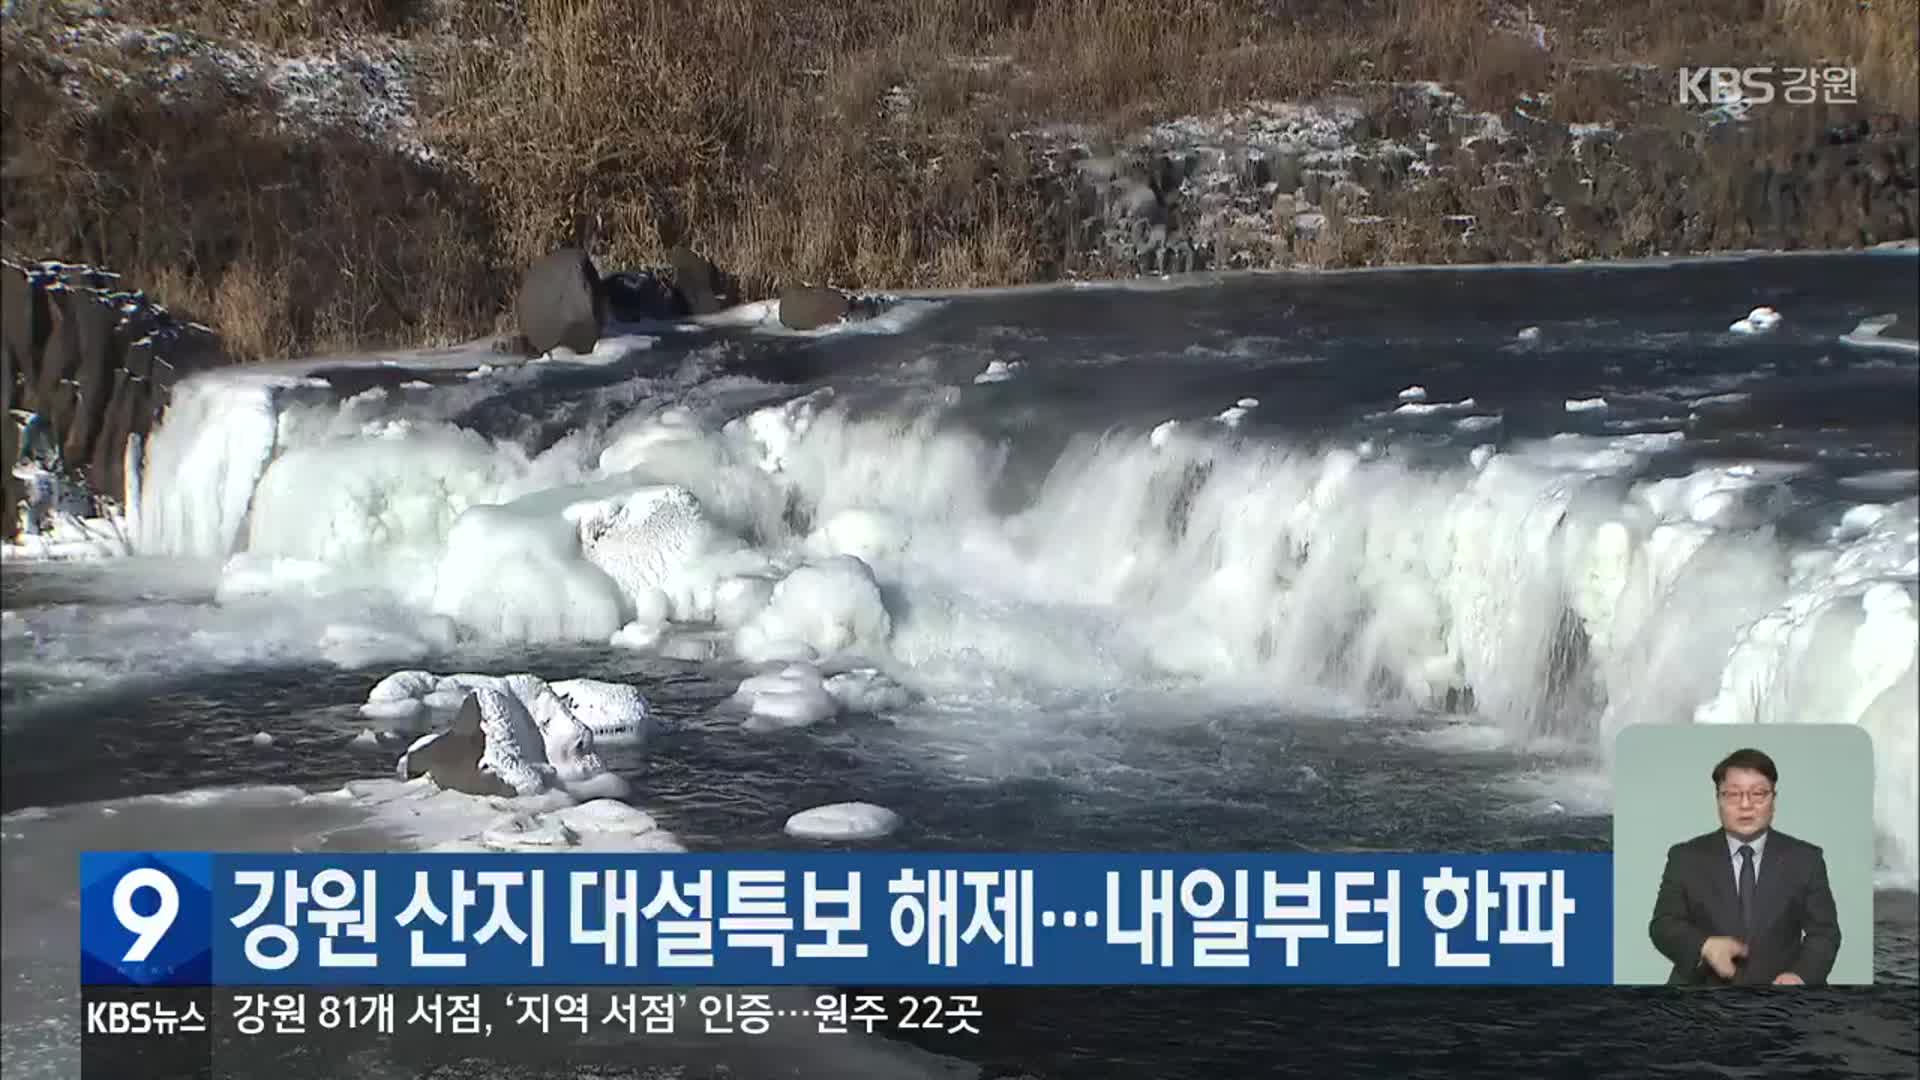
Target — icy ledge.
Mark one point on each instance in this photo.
(438, 819)
(69, 537)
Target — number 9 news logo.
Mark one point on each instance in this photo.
(145, 919)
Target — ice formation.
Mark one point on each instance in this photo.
(843, 821)
(1556, 586)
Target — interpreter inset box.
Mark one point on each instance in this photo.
(1743, 855)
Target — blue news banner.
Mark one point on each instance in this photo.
(189, 919)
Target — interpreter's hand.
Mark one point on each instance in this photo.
(1788, 978)
(1721, 953)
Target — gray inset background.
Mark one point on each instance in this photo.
(1663, 793)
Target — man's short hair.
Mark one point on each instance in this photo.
(1747, 758)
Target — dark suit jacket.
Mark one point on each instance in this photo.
(1795, 926)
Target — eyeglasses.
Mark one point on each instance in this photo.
(1758, 795)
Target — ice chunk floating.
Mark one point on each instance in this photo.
(843, 821)
(998, 371)
(794, 696)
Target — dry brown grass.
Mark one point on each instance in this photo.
(253, 309)
(714, 124)
(869, 145)
(283, 240)
(866, 144)
(1877, 37)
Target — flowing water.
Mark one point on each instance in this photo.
(1463, 528)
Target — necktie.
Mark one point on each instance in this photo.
(1746, 887)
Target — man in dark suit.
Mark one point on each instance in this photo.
(1746, 904)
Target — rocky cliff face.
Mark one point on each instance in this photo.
(94, 363)
(1409, 174)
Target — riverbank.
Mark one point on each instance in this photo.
(377, 174)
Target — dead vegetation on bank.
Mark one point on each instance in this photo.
(867, 144)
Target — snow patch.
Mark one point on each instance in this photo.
(365, 86)
(451, 821)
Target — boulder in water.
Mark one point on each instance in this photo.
(452, 758)
(810, 307)
(702, 287)
(516, 735)
(561, 303)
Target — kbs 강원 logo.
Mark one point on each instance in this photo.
(1737, 90)
(145, 919)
